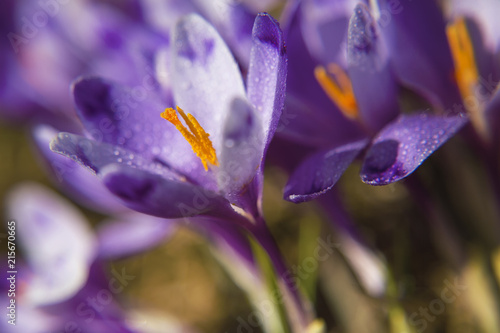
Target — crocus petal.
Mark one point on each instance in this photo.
(205, 76)
(241, 155)
(319, 173)
(154, 195)
(267, 72)
(113, 114)
(368, 67)
(57, 243)
(131, 235)
(95, 155)
(78, 182)
(417, 36)
(404, 144)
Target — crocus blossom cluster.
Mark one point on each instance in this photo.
(162, 114)
(382, 54)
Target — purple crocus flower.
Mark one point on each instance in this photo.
(366, 91)
(204, 161)
(149, 165)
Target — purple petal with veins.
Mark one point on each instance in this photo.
(404, 144)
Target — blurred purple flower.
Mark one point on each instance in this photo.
(381, 53)
(60, 270)
(49, 44)
(475, 42)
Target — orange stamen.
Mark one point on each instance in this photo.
(338, 87)
(195, 135)
(466, 73)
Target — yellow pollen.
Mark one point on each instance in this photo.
(466, 73)
(195, 135)
(338, 87)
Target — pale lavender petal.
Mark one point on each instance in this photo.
(152, 194)
(57, 242)
(404, 144)
(321, 171)
(241, 155)
(133, 234)
(368, 67)
(204, 75)
(267, 73)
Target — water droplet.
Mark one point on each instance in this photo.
(116, 152)
(119, 160)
